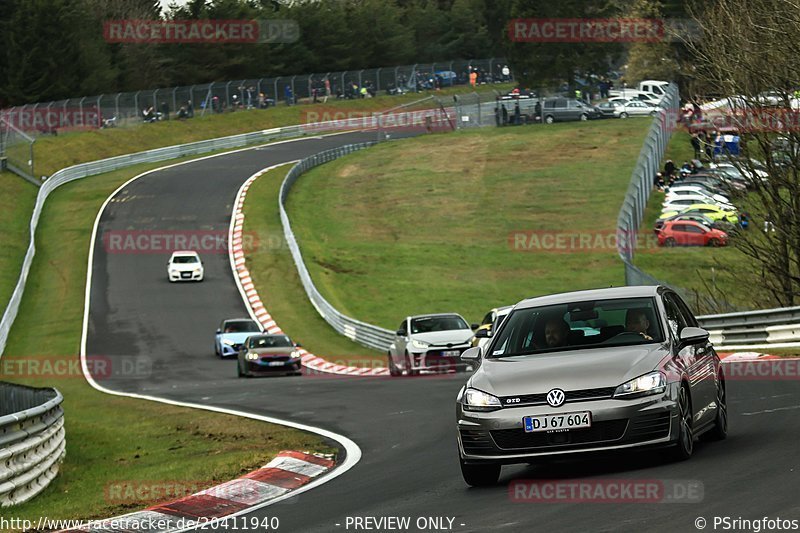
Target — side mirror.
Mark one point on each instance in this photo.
(483, 334)
(219, 331)
(691, 335)
(400, 333)
(472, 354)
(474, 326)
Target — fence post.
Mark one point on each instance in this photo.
(80, 107)
(378, 81)
(175, 99)
(228, 93)
(116, 106)
(276, 89)
(136, 103)
(294, 93)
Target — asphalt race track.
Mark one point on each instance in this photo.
(404, 426)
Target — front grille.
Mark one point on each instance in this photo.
(649, 427)
(185, 275)
(571, 396)
(271, 358)
(600, 432)
(476, 442)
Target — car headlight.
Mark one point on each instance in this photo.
(295, 354)
(419, 344)
(477, 400)
(252, 356)
(228, 342)
(652, 383)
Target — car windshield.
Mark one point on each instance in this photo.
(578, 325)
(428, 324)
(271, 341)
(241, 326)
(183, 259)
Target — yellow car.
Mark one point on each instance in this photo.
(711, 211)
(487, 323)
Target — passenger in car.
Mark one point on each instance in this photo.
(636, 321)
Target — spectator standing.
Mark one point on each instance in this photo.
(696, 145)
(504, 112)
(517, 114)
(669, 169)
(189, 109)
(164, 111)
(506, 73)
(287, 94)
(497, 117)
(327, 89)
(473, 78)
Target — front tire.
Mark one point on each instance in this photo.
(549, 119)
(393, 370)
(480, 475)
(684, 447)
(584, 117)
(720, 429)
(623, 115)
(670, 243)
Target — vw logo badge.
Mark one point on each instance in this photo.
(556, 397)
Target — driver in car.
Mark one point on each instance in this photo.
(556, 332)
(636, 321)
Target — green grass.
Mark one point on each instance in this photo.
(428, 224)
(19, 196)
(272, 269)
(54, 153)
(112, 439)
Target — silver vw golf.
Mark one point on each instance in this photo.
(584, 371)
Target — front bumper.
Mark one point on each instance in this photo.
(228, 350)
(264, 367)
(433, 361)
(185, 276)
(499, 437)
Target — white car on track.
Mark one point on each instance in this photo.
(429, 343)
(185, 266)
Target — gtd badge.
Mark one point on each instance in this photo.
(513, 400)
(556, 397)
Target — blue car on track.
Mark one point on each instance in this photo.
(231, 335)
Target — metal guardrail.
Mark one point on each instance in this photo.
(32, 441)
(779, 326)
(366, 334)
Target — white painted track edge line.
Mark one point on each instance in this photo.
(352, 451)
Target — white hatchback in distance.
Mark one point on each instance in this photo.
(185, 266)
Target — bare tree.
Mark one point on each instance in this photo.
(749, 51)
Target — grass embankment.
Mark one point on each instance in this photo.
(113, 440)
(18, 196)
(274, 273)
(54, 153)
(433, 224)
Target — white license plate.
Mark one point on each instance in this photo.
(560, 422)
(275, 363)
(451, 353)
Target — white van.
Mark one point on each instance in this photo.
(659, 88)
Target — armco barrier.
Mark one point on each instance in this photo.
(32, 441)
(360, 332)
(754, 328)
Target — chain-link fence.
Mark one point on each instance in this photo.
(133, 108)
(16, 151)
